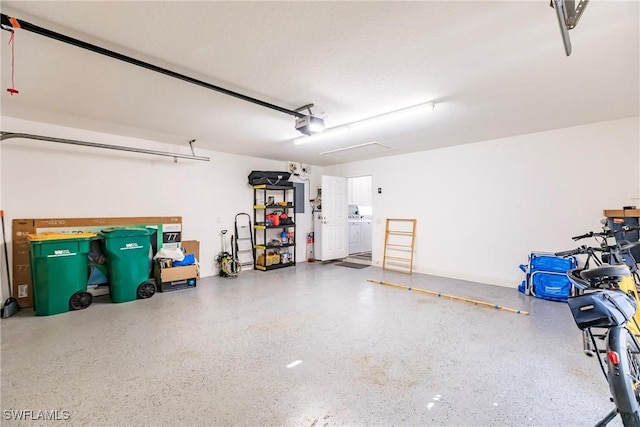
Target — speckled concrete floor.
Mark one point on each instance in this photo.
(370, 355)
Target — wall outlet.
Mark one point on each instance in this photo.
(294, 167)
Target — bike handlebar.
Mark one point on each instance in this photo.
(568, 253)
(608, 233)
(628, 228)
(578, 251)
(584, 236)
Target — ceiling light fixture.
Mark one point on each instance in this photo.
(359, 149)
(309, 125)
(373, 120)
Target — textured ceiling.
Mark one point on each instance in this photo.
(494, 69)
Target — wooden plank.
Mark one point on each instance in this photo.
(399, 259)
(451, 297)
(399, 250)
(397, 271)
(413, 241)
(98, 222)
(384, 252)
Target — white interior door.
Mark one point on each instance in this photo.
(334, 218)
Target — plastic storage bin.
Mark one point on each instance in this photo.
(59, 270)
(129, 262)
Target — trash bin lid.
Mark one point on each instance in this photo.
(60, 236)
(125, 231)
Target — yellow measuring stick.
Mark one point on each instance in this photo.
(452, 297)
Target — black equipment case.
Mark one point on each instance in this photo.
(270, 178)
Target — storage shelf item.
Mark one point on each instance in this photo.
(273, 267)
(274, 238)
(263, 247)
(269, 227)
(273, 206)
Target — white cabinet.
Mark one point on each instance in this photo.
(354, 238)
(365, 237)
(366, 190)
(350, 199)
(359, 190)
(359, 237)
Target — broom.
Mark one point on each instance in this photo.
(10, 306)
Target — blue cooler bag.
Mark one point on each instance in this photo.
(551, 263)
(551, 286)
(547, 278)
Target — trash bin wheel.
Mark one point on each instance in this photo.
(146, 290)
(80, 300)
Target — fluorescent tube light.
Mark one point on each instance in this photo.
(394, 115)
(329, 132)
(366, 148)
(373, 120)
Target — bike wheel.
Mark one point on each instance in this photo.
(624, 376)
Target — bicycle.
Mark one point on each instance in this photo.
(612, 306)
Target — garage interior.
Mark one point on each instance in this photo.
(520, 147)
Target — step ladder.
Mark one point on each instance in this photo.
(243, 245)
(399, 240)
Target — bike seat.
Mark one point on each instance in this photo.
(605, 271)
(574, 276)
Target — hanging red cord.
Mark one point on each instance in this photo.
(12, 89)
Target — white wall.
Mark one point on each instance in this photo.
(48, 180)
(481, 208)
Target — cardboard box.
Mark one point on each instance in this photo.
(175, 273)
(168, 234)
(172, 278)
(192, 247)
(168, 278)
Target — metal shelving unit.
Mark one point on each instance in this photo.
(268, 200)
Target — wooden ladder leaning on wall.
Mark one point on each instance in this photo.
(399, 241)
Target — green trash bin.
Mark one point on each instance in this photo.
(127, 250)
(59, 270)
